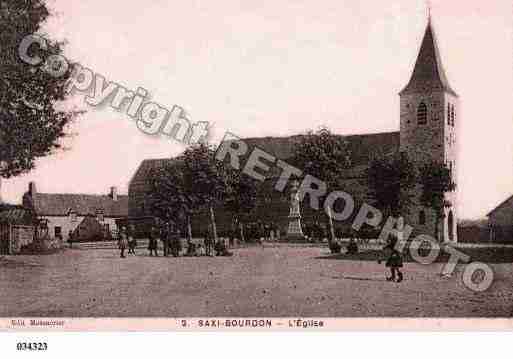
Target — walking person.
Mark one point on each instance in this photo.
(152, 244)
(394, 261)
(122, 241)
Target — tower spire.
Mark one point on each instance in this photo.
(428, 73)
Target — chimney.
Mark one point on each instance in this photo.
(114, 193)
(32, 189)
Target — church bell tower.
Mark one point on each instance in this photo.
(429, 119)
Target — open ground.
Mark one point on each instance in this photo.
(285, 281)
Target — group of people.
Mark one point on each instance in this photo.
(315, 232)
(126, 239)
(171, 243)
(262, 232)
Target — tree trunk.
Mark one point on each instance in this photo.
(437, 221)
(331, 234)
(189, 229)
(241, 227)
(234, 227)
(213, 220)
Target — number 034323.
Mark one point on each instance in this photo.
(31, 346)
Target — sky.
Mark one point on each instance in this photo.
(275, 68)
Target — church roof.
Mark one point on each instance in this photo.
(361, 147)
(429, 73)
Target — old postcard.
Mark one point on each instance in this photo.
(255, 165)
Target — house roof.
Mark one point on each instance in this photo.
(429, 72)
(362, 149)
(60, 204)
(501, 205)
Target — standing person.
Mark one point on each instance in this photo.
(171, 240)
(199, 250)
(192, 249)
(132, 242)
(70, 238)
(152, 244)
(163, 237)
(208, 241)
(274, 232)
(176, 245)
(122, 241)
(261, 233)
(394, 261)
(316, 232)
(233, 233)
(352, 246)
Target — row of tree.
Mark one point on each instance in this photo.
(196, 181)
(391, 178)
(393, 182)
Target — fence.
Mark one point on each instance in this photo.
(501, 234)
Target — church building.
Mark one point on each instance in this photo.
(428, 132)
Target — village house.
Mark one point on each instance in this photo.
(88, 216)
(17, 228)
(500, 222)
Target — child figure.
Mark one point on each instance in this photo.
(152, 243)
(394, 261)
(200, 250)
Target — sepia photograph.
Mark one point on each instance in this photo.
(256, 165)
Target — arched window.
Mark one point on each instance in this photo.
(448, 114)
(422, 114)
(450, 226)
(452, 115)
(422, 217)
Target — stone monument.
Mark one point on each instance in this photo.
(294, 230)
